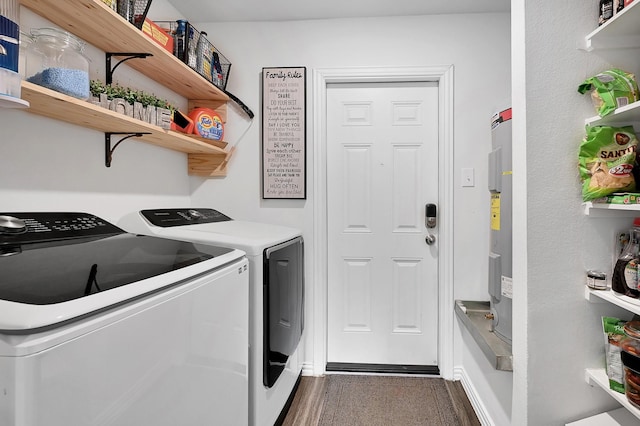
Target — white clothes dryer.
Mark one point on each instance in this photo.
(276, 294)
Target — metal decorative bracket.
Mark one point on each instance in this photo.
(108, 151)
(127, 55)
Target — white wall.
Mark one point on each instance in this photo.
(556, 332)
(478, 46)
(489, 390)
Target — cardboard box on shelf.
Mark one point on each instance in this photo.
(157, 34)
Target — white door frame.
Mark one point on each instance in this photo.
(442, 74)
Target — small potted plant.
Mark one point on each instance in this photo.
(131, 102)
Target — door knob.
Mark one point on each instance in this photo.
(430, 239)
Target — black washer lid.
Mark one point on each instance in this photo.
(67, 256)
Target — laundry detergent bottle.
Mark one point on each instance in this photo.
(207, 123)
(625, 272)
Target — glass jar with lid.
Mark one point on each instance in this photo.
(58, 62)
(26, 53)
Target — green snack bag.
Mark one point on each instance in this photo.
(613, 334)
(606, 160)
(610, 90)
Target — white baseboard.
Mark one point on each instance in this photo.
(478, 406)
(307, 369)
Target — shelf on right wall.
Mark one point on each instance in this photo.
(620, 32)
(610, 210)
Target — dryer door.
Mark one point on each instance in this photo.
(283, 289)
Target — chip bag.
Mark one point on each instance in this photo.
(610, 90)
(613, 335)
(606, 160)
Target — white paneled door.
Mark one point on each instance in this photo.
(382, 156)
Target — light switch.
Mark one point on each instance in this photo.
(467, 177)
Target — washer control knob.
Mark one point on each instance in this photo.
(12, 225)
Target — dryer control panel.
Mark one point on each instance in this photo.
(166, 218)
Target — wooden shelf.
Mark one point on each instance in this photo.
(82, 17)
(205, 159)
(620, 32)
(61, 107)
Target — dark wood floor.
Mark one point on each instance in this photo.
(307, 404)
(463, 407)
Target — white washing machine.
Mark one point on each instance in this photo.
(102, 327)
(276, 272)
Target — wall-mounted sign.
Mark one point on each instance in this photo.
(284, 135)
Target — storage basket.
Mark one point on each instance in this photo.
(134, 11)
(188, 53)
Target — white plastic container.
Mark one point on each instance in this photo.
(10, 83)
(9, 48)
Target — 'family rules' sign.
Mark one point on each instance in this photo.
(284, 103)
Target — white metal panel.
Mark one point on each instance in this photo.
(178, 357)
(250, 237)
(20, 317)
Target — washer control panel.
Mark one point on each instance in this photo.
(166, 218)
(22, 228)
